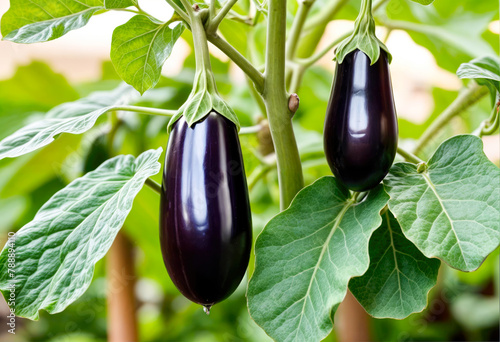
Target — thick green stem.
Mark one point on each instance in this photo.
(464, 100)
(279, 116)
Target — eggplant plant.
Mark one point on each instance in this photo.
(395, 210)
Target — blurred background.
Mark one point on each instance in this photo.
(37, 77)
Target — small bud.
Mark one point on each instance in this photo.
(293, 103)
(196, 7)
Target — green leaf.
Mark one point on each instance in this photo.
(424, 2)
(452, 30)
(485, 70)
(451, 210)
(306, 256)
(72, 117)
(32, 21)
(400, 276)
(110, 4)
(55, 253)
(140, 47)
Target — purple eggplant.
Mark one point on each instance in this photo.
(205, 219)
(361, 129)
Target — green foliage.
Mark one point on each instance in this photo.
(27, 93)
(485, 71)
(450, 210)
(30, 22)
(451, 30)
(72, 117)
(112, 4)
(55, 253)
(139, 49)
(306, 256)
(399, 277)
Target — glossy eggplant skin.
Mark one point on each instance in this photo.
(361, 128)
(205, 219)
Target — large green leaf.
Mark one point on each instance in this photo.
(55, 253)
(140, 47)
(451, 30)
(400, 276)
(451, 210)
(32, 21)
(72, 117)
(306, 256)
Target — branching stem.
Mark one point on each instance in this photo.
(464, 100)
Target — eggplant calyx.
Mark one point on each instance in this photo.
(363, 37)
(202, 101)
(204, 97)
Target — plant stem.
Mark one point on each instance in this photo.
(250, 130)
(325, 15)
(490, 125)
(259, 173)
(179, 10)
(287, 155)
(409, 156)
(247, 67)
(298, 24)
(308, 62)
(215, 21)
(153, 185)
(145, 110)
(464, 100)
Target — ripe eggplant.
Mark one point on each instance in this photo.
(361, 129)
(205, 219)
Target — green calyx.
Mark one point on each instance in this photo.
(363, 37)
(204, 97)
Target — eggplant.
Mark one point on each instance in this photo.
(205, 219)
(361, 129)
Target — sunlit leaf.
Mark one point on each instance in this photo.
(72, 117)
(139, 49)
(32, 21)
(400, 276)
(55, 253)
(306, 256)
(451, 210)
